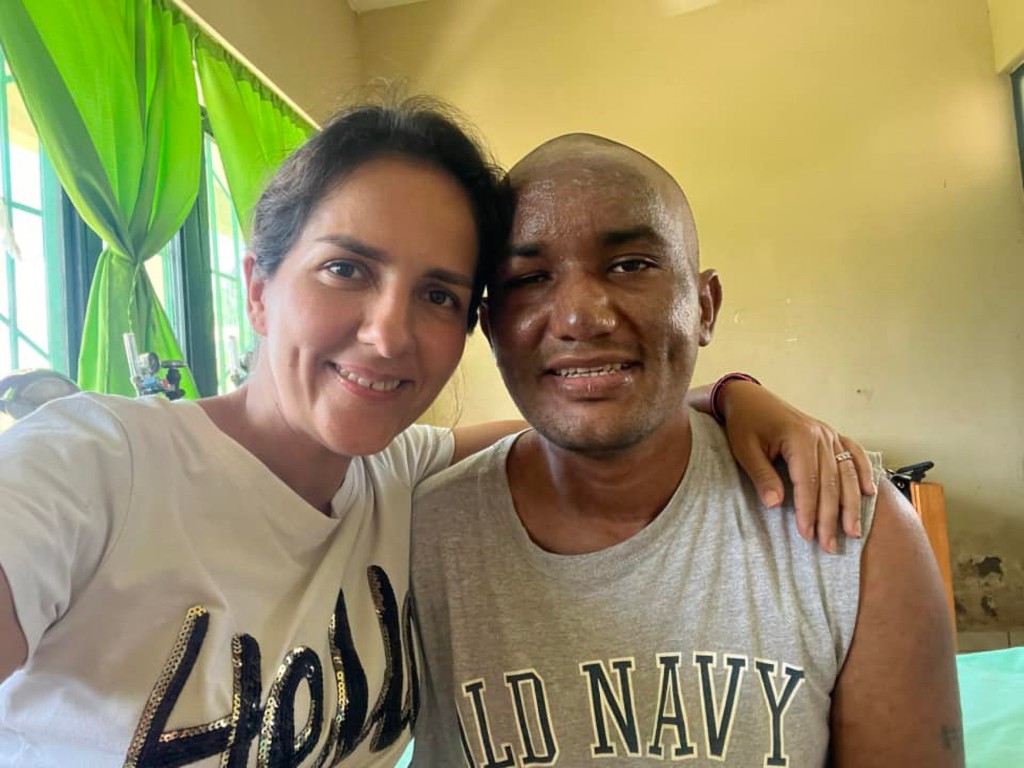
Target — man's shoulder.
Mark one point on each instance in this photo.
(476, 475)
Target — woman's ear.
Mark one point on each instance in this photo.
(255, 286)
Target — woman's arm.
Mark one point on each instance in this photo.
(762, 427)
(476, 437)
(13, 648)
(66, 474)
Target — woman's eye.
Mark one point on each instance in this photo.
(631, 265)
(343, 269)
(442, 298)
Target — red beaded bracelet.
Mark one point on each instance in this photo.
(716, 390)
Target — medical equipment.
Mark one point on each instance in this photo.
(145, 370)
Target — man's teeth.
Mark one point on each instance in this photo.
(602, 370)
(377, 386)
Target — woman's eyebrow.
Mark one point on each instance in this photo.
(360, 248)
(454, 278)
(357, 247)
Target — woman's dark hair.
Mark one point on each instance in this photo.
(422, 129)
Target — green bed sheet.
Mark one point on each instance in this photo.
(992, 699)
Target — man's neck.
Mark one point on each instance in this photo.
(573, 503)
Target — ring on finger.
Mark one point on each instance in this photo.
(844, 456)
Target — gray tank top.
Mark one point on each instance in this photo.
(714, 635)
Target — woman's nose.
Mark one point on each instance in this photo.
(387, 325)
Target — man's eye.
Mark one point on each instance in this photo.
(631, 265)
(530, 278)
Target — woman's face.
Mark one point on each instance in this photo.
(365, 318)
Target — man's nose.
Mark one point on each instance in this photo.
(387, 324)
(582, 308)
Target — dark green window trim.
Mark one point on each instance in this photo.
(80, 249)
(197, 296)
(1017, 83)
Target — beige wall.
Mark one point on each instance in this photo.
(1007, 18)
(854, 173)
(307, 48)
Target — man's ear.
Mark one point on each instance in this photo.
(255, 286)
(710, 294)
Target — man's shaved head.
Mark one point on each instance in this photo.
(590, 159)
(598, 308)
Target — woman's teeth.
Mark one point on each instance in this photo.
(377, 386)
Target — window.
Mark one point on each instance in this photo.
(232, 333)
(199, 280)
(48, 255)
(33, 306)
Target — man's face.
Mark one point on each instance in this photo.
(597, 314)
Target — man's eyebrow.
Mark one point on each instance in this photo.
(360, 248)
(529, 248)
(639, 232)
(608, 237)
(357, 247)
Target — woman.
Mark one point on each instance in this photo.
(223, 581)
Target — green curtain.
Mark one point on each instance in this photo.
(110, 87)
(253, 127)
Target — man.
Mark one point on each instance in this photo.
(612, 587)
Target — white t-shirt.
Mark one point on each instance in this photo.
(181, 603)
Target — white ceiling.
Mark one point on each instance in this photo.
(362, 6)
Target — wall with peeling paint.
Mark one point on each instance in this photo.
(854, 172)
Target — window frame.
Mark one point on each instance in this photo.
(189, 273)
(218, 261)
(80, 248)
(1017, 87)
(70, 249)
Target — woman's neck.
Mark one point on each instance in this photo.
(255, 422)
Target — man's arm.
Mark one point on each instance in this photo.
(896, 701)
(13, 648)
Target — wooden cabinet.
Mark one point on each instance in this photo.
(930, 503)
